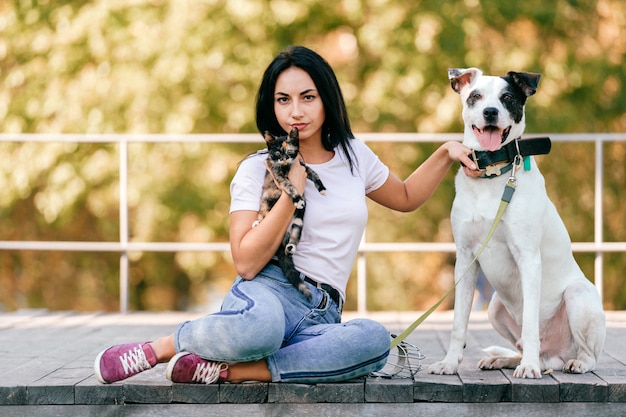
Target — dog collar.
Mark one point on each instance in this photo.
(495, 170)
(498, 162)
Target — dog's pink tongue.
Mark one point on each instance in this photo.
(489, 138)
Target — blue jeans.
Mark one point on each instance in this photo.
(302, 341)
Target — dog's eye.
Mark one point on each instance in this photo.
(507, 97)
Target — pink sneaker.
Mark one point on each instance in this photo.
(188, 368)
(123, 361)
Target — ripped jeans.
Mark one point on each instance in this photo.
(301, 340)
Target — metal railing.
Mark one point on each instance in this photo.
(124, 246)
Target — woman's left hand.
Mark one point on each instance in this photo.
(459, 152)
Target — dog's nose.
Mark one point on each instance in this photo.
(490, 114)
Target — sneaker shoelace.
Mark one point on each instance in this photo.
(134, 361)
(208, 372)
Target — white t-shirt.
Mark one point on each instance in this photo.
(333, 223)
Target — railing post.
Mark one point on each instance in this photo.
(361, 280)
(123, 190)
(598, 219)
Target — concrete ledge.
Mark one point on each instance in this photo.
(48, 359)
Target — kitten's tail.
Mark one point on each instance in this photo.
(304, 290)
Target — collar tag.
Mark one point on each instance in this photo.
(526, 163)
(491, 170)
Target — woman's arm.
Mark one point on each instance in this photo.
(252, 248)
(422, 183)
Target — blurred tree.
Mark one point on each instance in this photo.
(191, 66)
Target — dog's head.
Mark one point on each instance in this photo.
(493, 107)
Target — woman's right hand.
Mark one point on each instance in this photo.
(253, 247)
(297, 176)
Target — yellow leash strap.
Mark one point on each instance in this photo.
(509, 189)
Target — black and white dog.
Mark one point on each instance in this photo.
(543, 304)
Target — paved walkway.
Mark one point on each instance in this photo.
(47, 358)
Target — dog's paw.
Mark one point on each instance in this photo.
(527, 371)
(498, 362)
(576, 366)
(443, 368)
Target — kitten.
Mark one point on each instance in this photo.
(282, 152)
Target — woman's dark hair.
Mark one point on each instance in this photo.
(336, 128)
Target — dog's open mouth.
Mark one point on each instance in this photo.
(490, 137)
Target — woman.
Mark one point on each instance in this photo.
(266, 329)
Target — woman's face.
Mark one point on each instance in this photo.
(297, 103)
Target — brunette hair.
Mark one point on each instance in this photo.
(336, 129)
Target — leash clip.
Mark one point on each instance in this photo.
(517, 162)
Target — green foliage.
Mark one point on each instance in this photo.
(191, 66)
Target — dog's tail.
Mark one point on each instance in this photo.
(501, 352)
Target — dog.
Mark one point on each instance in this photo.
(543, 304)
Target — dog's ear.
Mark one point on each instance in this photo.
(527, 81)
(454, 72)
(460, 78)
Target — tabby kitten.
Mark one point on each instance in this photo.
(282, 152)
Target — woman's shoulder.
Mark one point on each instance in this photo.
(259, 155)
(254, 159)
(360, 150)
(252, 166)
(368, 165)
